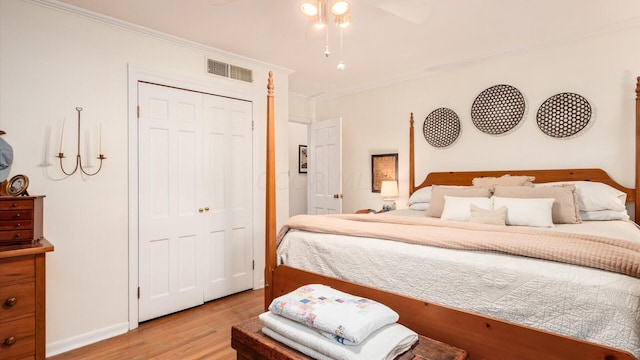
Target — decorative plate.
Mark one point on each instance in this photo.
(564, 115)
(498, 109)
(441, 127)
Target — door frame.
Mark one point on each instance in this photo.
(135, 74)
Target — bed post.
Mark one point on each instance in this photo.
(412, 165)
(637, 162)
(270, 211)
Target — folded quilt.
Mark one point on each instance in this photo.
(340, 316)
(385, 343)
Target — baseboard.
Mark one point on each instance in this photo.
(75, 342)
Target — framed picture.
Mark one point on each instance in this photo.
(383, 167)
(302, 159)
(17, 185)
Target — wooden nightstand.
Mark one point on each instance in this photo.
(368, 211)
(251, 344)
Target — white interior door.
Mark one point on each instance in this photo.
(170, 241)
(228, 164)
(195, 192)
(324, 173)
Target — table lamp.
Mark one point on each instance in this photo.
(389, 191)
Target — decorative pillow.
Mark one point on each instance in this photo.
(459, 208)
(504, 180)
(594, 195)
(602, 215)
(526, 212)
(494, 217)
(419, 206)
(422, 195)
(438, 192)
(565, 207)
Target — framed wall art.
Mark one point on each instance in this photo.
(302, 159)
(17, 185)
(383, 167)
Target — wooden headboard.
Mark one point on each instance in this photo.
(599, 175)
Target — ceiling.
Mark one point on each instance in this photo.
(388, 40)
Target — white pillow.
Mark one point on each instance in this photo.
(601, 215)
(527, 212)
(592, 195)
(459, 208)
(419, 206)
(422, 195)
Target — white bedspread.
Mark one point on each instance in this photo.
(581, 302)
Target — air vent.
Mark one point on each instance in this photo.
(231, 71)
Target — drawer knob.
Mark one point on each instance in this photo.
(18, 225)
(17, 235)
(18, 215)
(14, 205)
(10, 341)
(11, 301)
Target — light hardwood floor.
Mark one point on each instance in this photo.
(203, 332)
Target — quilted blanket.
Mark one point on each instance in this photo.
(616, 255)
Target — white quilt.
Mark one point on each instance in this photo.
(576, 301)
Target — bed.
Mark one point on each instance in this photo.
(508, 307)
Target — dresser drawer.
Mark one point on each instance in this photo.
(16, 204)
(16, 225)
(16, 215)
(19, 268)
(16, 236)
(17, 338)
(17, 300)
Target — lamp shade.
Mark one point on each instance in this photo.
(389, 189)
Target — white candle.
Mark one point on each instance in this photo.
(101, 138)
(62, 134)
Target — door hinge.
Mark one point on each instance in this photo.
(253, 264)
(252, 125)
(138, 111)
(138, 292)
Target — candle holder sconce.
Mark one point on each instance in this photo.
(61, 156)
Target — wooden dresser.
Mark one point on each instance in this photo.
(22, 295)
(20, 219)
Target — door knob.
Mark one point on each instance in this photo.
(206, 208)
(337, 196)
(200, 210)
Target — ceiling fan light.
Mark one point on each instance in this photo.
(309, 8)
(340, 7)
(320, 22)
(343, 20)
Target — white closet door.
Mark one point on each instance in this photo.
(171, 238)
(228, 190)
(324, 168)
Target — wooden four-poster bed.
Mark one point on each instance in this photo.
(484, 337)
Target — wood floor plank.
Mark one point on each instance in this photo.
(203, 332)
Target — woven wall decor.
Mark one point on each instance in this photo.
(441, 127)
(498, 109)
(564, 115)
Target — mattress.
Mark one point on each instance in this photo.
(580, 302)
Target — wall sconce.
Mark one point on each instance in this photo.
(389, 191)
(78, 156)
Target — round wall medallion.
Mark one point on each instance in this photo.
(441, 127)
(564, 115)
(498, 109)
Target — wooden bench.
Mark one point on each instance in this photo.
(251, 344)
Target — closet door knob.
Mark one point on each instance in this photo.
(200, 210)
(206, 208)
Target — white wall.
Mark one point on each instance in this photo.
(297, 181)
(601, 68)
(53, 59)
